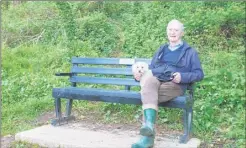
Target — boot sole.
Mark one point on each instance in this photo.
(139, 146)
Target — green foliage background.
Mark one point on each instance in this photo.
(39, 38)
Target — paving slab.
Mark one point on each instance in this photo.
(68, 137)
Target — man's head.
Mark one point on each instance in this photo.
(175, 31)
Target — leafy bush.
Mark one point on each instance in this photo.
(37, 35)
(99, 32)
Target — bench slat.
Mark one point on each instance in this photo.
(97, 80)
(107, 61)
(119, 71)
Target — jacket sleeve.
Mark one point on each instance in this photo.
(151, 66)
(196, 73)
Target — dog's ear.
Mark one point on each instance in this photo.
(146, 66)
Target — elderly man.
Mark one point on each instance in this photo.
(172, 68)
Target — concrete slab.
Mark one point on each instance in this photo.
(67, 137)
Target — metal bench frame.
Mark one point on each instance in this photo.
(80, 66)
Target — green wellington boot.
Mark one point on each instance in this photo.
(148, 127)
(144, 142)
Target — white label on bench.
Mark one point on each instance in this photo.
(127, 61)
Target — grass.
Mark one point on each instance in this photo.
(21, 116)
(27, 85)
(23, 144)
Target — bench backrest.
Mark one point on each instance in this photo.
(104, 74)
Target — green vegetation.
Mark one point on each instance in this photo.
(39, 38)
(20, 144)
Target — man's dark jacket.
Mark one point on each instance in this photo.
(188, 65)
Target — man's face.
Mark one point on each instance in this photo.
(174, 32)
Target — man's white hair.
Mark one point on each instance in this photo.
(178, 22)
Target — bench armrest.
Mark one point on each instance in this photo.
(63, 74)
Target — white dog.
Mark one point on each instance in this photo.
(140, 67)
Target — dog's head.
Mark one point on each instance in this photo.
(140, 67)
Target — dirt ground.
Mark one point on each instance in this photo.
(91, 121)
(41, 120)
(6, 141)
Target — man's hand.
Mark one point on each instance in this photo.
(176, 77)
(137, 76)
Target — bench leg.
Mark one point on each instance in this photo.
(68, 116)
(69, 107)
(59, 119)
(58, 107)
(188, 115)
(58, 112)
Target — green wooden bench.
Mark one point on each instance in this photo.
(104, 67)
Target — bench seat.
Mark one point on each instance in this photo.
(114, 96)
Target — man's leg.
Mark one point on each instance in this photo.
(168, 91)
(149, 96)
(149, 91)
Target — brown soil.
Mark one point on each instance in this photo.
(92, 121)
(6, 141)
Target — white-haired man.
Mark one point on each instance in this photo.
(173, 67)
